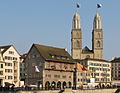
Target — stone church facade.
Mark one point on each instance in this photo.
(97, 39)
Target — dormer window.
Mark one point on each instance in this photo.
(11, 52)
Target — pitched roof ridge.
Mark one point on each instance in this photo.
(96, 59)
(86, 48)
(49, 46)
(6, 46)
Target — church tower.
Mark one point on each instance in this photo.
(97, 37)
(76, 37)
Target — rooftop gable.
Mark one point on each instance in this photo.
(5, 48)
(86, 50)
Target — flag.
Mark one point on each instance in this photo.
(84, 68)
(38, 68)
(78, 5)
(65, 66)
(53, 67)
(99, 5)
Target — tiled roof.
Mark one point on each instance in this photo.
(96, 59)
(52, 53)
(116, 60)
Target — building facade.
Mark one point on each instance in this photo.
(10, 65)
(49, 67)
(22, 69)
(2, 71)
(83, 76)
(97, 39)
(115, 69)
(101, 70)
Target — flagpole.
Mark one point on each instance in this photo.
(76, 10)
(97, 8)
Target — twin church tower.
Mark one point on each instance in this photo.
(97, 39)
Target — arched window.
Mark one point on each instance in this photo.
(88, 56)
(99, 35)
(64, 85)
(53, 85)
(77, 35)
(98, 43)
(78, 44)
(47, 85)
(69, 84)
(59, 85)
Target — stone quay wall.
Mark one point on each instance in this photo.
(73, 91)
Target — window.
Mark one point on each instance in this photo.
(57, 76)
(97, 79)
(77, 35)
(77, 44)
(34, 56)
(88, 56)
(98, 35)
(5, 70)
(20, 74)
(81, 74)
(49, 75)
(15, 71)
(98, 43)
(5, 57)
(15, 64)
(11, 52)
(1, 72)
(8, 64)
(8, 70)
(14, 58)
(96, 74)
(1, 65)
(9, 58)
(9, 77)
(64, 76)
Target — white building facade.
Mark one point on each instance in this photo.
(101, 70)
(11, 59)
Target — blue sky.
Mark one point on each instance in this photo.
(48, 22)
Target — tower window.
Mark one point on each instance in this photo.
(98, 35)
(88, 56)
(77, 44)
(77, 35)
(98, 43)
